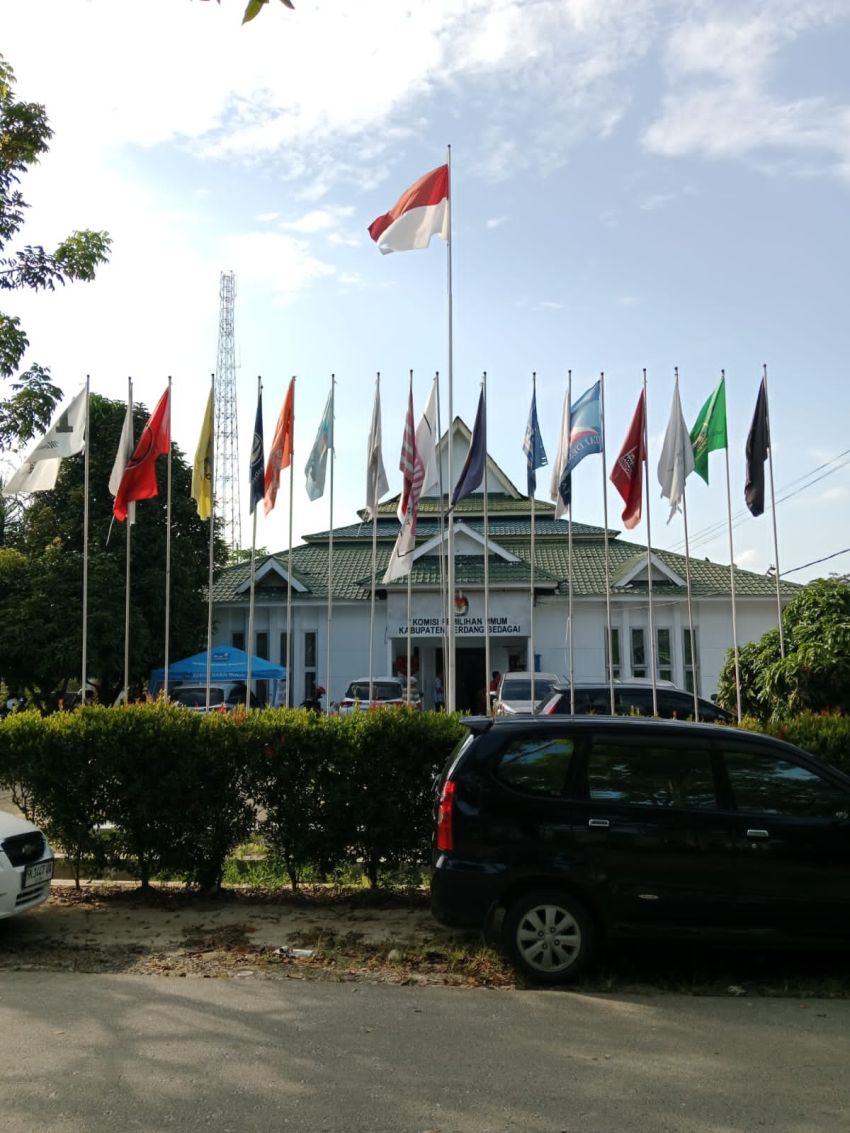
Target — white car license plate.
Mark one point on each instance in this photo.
(41, 871)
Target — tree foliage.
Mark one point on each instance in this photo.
(41, 571)
(814, 675)
(254, 7)
(30, 397)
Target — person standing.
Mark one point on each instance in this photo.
(439, 694)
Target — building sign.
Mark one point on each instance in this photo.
(509, 616)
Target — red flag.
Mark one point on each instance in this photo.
(407, 460)
(280, 454)
(627, 473)
(422, 211)
(139, 479)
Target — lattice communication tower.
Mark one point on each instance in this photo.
(226, 424)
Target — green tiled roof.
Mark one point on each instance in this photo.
(510, 529)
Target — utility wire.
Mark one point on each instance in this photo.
(815, 562)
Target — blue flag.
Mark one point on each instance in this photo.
(532, 446)
(257, 473)
(585, 436)
(472, 472)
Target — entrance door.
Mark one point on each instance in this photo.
(472, 681)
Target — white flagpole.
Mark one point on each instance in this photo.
(531, 591)
(487, 670)
(84, 684)
(168, 545)
(250, 641)
(131, 515)
(694, 667)
(446, 607)
(649, 552)
(450, 675)
(374, 569)
(409, 627)
(731, 572)
(570, 543)
(773, 512)
(289, 700)
(607, 558)
(212, 534)
(332, 455)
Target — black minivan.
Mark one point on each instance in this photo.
(553, 833)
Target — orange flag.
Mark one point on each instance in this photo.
(139, 479)
(280, 453)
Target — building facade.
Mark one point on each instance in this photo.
(333, 627)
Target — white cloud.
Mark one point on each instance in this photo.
(318, 220)
(496, 221)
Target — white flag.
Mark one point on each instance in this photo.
(125, 451)
(376, 476)
(561, 459)
(677, 456)
(425, 477)
(65, 437)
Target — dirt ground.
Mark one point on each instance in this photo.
(250, 933)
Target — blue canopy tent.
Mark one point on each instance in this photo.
(228, 664)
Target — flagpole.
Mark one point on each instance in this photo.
(374, 505)
(212, 533)
(289, 700)
(450, 690)
(649, 553)
(445, 606)
(571, 656)
(84, 684)
(131, 515)
(487, 670)
(250, 642)
(531, 660)
(330, 547)
(731, 572)
(773, 512)
(607, 559)
(168, 544)
(694, 668)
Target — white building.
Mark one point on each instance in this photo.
(332, 661)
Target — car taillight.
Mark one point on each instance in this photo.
(445, 836)
(550, 711)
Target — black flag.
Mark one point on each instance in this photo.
(257, 457)
(758, 443)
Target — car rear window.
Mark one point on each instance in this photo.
(381, 690)
(197, 697)
(535, 765)
(521, 689)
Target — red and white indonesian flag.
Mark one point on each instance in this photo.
(420, 213)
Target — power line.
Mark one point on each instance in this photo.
(815, 562)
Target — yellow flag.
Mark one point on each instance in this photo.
(202, 486)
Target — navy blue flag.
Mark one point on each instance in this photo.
(257, 458)
(532, 446)
(585, 436)
(472, 472)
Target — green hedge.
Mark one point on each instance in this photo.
(825, 735)
(166, 791)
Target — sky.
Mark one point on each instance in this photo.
(635, 184)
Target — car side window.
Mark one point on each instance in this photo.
(651, 772)
(763, 783)
(536, 765)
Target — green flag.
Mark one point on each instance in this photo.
(709, 432)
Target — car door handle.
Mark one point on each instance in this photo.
(759, 834)
(601, 823)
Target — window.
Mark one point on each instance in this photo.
(263, 646)
(237, 640)
(283, 657)
(310, 662)
(536, 766)
(652, 773)
(615, 651)
(663, 654)
(764, 784)
(638, 653)
(689, 653)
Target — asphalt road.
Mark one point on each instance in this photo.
(86, 1054)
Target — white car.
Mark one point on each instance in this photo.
(387, 692)
(26, 865)
(514, 693)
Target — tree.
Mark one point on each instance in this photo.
(254, 7)
(42, 565)
(24, 137)
(814, 675)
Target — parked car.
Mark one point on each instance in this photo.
(387, 692)
(555, 833)
(26, 865)
(632, 698)
(223, 697)
(514, 692)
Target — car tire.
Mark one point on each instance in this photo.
(549, 936)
